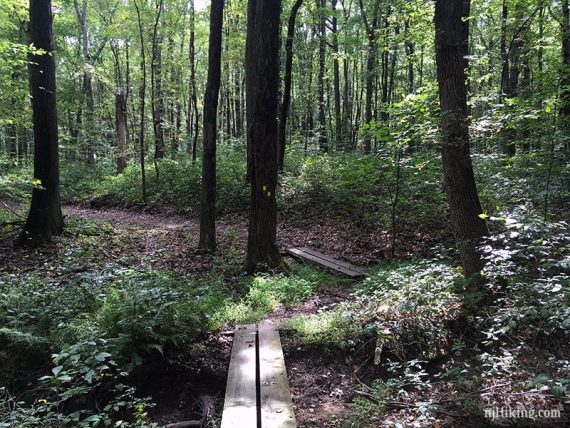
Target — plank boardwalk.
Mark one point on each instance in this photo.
(240, 404)
(257, 390)
(327, 262)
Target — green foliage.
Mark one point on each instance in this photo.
(361, 187)
(527, 269)
(84, 375)
(263, 294)
(178, 184)
(405, 306)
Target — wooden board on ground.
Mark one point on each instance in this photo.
(240, 404)
(327, 262)
(276, 404)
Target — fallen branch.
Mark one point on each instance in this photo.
(11, 223)
(12, 211)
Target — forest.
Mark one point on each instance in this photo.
(383, 183)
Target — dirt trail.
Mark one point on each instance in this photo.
(121, 218)
(339, 240)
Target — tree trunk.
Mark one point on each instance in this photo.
(370, 68)
(323, 140)
(121, 126)
(451, 43)
(250, 58)
(237, 105)
(81, 15)
(262, 88)
(287, 79)
(565, 72)
(193, 103)
(44, 218)
(409, 46)
(336, 81)
(208, 197)
(156, 83)
(142, 95)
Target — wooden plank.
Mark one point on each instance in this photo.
(240, 404)
(352, 271)
(332, 260)
(275, 397)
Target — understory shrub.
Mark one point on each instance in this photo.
(528, 267)
(405, 307)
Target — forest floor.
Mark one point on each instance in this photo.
(323, 385)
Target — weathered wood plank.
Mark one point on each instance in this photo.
(331, 259)
(240, 404)
(276, 404)
(327, 262)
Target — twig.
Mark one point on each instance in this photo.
(12, 211)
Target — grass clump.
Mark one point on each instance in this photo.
(263, 294)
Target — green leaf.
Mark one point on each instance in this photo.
(540, 379)
(102, 356)
(56, 370)
(484, 216)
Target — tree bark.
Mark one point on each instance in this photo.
(121, 126)
(208, 197)
(142, 95)
(565, 72)
(287, 79)
(370, 29)
(156, 83)
(323, 140)
(336, 81)
(451, 44)
(44, 219)
(262, 88)
(193, 103)
(409, 46)
(81, 14)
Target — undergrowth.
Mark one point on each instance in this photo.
(76, 332)
(402, 317)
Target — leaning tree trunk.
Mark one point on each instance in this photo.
(287, 79)
(208, 197)
(121, 125)
(44, 219)
(451, 44)
(262, 88)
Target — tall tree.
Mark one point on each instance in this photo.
(193, 102)
(336, 78)
(565, 72)
(156, 82)
(121, 126)
(323, 140)
(262, 88)
(370, 28)
(142, 95)
(89, 59)
(287, 84)
(44, 219)
(451, 49)
(208, 197)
